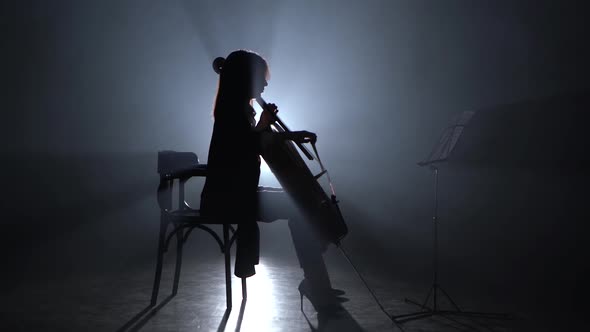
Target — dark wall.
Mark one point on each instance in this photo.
(513, 199)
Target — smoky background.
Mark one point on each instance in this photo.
(92, 90)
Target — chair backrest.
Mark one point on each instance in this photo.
(171, 161)
(174, 165)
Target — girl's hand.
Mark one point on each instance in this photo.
(303, 137)
(267, 117)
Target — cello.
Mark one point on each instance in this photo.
(285, 162)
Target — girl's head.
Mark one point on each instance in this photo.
(242, 77)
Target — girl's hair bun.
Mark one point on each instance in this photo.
(218, 64)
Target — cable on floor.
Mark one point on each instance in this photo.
(368, 288)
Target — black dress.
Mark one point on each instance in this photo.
(231, 192)
(231, 186)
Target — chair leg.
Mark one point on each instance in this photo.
(226, 253)
(179, 244)
(160, 259)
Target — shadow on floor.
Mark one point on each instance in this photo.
(340, 321)
(142, 317)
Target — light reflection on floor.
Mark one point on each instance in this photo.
(262, 302)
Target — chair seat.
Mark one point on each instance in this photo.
(193, 216)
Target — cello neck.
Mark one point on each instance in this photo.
(284, 127)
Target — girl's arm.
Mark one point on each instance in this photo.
(267, 118)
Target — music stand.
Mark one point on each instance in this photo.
(441, 153)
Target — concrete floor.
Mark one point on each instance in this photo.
(118, 301)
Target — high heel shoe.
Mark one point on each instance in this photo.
(324, 301)
(333, 291)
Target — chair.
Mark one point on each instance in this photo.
(182, 166)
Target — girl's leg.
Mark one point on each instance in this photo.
(247, 249)
(309, 249)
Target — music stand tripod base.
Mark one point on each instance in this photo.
(435, 311)
(435, 288)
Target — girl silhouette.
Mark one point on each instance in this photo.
(231, 186)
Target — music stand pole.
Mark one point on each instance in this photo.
(435, 287)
